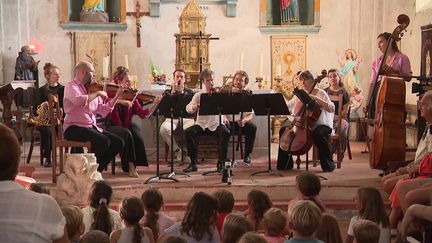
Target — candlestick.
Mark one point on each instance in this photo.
(126, 61)
(105, 64)
(241, 60)
(279, 70)
(261, 65)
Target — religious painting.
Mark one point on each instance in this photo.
(293, 12)
(288, 56)
(94, 47)
(426, 51)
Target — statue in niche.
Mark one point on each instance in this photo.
(74, 186)
(94, 11)
(26, 68)
(289, 12)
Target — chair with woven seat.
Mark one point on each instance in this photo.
(58, 140)
(337, 138)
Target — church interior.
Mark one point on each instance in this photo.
(274, 42)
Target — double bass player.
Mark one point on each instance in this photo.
(320, 129)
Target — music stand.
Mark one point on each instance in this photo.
(174, 106)
(268, 104)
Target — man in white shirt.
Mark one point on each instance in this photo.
(205, 125)
(26, 216)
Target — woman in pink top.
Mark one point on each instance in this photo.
(397, 64)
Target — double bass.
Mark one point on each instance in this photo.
(388, 143)
(298, 139)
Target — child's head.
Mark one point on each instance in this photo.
(100, 197)
(172, 239)
(234, 227)
(101, 192)
(200, 216)
(225, 200)
(152, 199)
(366, 231)
(252, 237)
(274, 222)
(304, 218)
(74, 221)
(370, 206)
(308, 184)
(329, 230)
(39, 188)
(95, 236)
(259, 202)
(132, 210)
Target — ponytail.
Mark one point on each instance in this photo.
(102, 218)
(137, 233)
(151, 221)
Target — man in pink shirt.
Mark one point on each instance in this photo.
(81, 108)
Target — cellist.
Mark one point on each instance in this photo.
(396, 64)
(320, 129)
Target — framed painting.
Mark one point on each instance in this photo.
(288, 56)
(93, 47)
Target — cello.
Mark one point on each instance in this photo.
(298, 139)
(388, 143)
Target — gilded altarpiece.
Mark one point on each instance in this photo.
(93, 47)
(288, 56)
(192, 43)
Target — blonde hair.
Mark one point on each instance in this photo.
(305, 217)
(252, 237)
(95, 236)
(328, 231)
(372, 206)
(74, 219)
(366, 231)
(234, 227)
(274, 222)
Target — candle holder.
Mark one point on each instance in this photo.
(259, 80)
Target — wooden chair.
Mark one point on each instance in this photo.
(35, 139)
(58, 141)
(336, 139)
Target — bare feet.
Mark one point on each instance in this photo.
(132, 171)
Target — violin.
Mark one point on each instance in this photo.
(128, 94)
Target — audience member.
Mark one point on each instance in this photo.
(366, 231)
(252, 237)
(304, 217)
(39, 188)
(258, 203)
(329, 230)
(198, 224)
(98, 216)
(95, 236)
(172, 239)
(225, 206)
(415, 211)
(370, 206)
(26, 216)
(274, 223)
(74, 222)
(157, 221)
(234, 227)
(131, 211)
(308, 187)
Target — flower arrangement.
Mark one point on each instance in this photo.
(157, 76)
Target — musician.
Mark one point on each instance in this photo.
(321, 129)
(81, 108)
(120, 122)
(177, 88)
(244, 121)
(52, 86)
(205, 125)
(334, 90)
(397, 64)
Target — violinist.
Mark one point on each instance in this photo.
(321, 129)
(396, 64)
(177, 88)
(80, 109)
(120, 119)
(244, 121)
(205, 125)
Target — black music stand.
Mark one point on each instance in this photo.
(174, 106)
(267, 105)
(222, 104)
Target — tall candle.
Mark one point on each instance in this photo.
(261, 67)
(279, 70)
(241, 60)
(105, 65)
(126, 61)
